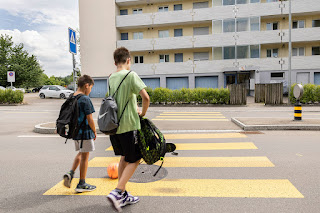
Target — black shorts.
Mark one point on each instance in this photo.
(125, 145)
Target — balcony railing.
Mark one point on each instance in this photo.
(261, 64)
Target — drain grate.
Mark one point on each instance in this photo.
(144, 174)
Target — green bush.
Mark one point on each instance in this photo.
(185, 95)
(311, 94)
(9, 96)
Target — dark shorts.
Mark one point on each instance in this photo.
(125, 145)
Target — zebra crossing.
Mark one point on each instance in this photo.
(192, 155)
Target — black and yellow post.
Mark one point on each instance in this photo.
(298, 111)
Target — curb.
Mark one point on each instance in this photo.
(44, 130)
(274, 127)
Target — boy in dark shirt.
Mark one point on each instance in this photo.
(85, 84)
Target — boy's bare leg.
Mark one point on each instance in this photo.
(76, 162)
(127, 174)
(84, 165)
(122, 165)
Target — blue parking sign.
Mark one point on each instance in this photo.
(72, 41)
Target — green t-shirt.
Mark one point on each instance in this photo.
(130, 88)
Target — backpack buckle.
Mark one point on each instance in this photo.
(161, 158)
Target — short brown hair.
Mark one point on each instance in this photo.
(85, 79)
(121, 55)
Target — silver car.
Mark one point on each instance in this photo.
(54, 91)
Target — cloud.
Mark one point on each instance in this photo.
(49, 39)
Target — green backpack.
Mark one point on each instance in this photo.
(152, 143)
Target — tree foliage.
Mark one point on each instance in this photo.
(13, 57)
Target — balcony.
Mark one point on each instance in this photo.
(131, 21)
(202, 67)
(137, 45)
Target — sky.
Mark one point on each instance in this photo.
(42, 26)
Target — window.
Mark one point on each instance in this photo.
(254, 51)
(242, 24)
(228, 25)
(272, 53)
(163, 33)
(124, 36)
(297, 24)
(200, 5)
(201, 56)
(138, 59)
(178, 57)
(217, 53)
(272, 26)
(177, 7)
(164, 9)
(298, 51)
(229, 52)
(178, 32)
(228, 2)
(45, 87)
(254, 23)
(123, 12)
(53, 88)
(242, 1)
(242, 52)
(315, 50)
(277, 75)
(254, 1)
(316, 23)
(217, 26)
(138, 35)
(200, 31)
(268, 1)
(137, 11)
(164, 58)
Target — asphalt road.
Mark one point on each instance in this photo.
(274, 171)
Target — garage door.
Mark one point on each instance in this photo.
(152, 82)
(207, 82)
(303, 78)
(177, 83)
(99, 89)
(317, 78)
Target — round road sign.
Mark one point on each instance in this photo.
(298, 91)
(11, 74)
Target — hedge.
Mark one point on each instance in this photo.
(184, 95)
(311, 94)
(9, 96)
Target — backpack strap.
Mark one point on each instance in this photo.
(123, 110)
(119, 84)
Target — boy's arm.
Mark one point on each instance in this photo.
(145, 102)
(92, 125)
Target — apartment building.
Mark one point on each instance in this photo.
(202, 43)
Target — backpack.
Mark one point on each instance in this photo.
(152, 143)
(67, 123)
(108, 115)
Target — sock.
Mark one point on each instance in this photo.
(119, 191)
(82, 181)
(72, 172)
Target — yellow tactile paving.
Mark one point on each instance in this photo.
(199, 114)
(211, 146)
(184, 117)
(237, 188)
(204, 136)
(196, 162)
(191, 112)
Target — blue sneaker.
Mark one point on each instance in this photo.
(116, 198)
(129, 199)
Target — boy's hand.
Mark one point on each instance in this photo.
(95, 135)
(140, 114)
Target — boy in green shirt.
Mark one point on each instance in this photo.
(125, 142)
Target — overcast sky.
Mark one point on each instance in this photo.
(42, 26)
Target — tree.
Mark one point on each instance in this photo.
(14, 58)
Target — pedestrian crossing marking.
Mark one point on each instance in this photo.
(215, 114)
(204, 136)
(190, 116)
(191, 112)
(232, 188)
(195, 162)
(188, 119)
(210, 146)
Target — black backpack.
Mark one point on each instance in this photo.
(67, 123)
(108, 116)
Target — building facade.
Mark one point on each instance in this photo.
(202, 43)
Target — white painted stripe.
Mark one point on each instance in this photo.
(52, 136)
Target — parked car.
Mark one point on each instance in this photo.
(37, 89)
(54, 91)
(2, 88)
(14, 89)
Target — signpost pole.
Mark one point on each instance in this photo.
(74, 72)
(290, 51)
